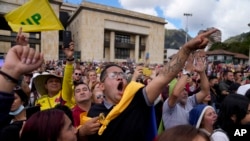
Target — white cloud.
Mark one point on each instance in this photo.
(149, 11)
(170, 25)
(230, 16)
(147, 7)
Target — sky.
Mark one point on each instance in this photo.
(230, 16)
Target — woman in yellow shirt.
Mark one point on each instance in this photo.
(56, 89)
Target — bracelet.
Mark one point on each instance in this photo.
(70, 59)
(8, 77)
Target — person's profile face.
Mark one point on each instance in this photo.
(209, 118)
(16, 103)
(68, 132)
(246, 119)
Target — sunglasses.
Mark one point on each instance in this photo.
(99, 96)
(79, 74)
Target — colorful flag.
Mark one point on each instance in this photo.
(34, 16)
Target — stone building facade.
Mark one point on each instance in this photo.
(100, 33)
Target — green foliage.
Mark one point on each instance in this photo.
(236, 44)
(239, 44)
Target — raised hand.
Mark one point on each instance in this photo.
(199, 61)
(20, 60)
(69, 52)
(21, 39)
(138, 72)
(189, 64)
(201, 40)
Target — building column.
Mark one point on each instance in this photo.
(112, 47)
(137, 45)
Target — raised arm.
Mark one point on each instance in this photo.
(181, 82)
(200, 67)
(176, 64)
(137, 73)
(67, 77)
(18, 61)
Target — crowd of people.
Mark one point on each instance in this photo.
(186, 99)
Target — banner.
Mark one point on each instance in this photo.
(34, 16)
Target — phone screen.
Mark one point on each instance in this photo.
(66, 38)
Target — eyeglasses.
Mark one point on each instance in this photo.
(114, 75)
(79, 74)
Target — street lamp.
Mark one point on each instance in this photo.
(186, 29)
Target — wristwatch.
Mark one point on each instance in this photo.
(186, 72)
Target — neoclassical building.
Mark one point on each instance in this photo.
(100, 33)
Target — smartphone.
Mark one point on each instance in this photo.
(66, 38)
(32, 110)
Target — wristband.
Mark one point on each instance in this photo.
(8, 77)
(70, 59)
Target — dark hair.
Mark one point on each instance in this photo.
(237, 72)
(43, 126)
(23, 96)
(104, 71)
(247, 94)
(80, 83)
(51, 78)
(212, 78)
(226, 72)
(182, 133)
(233, 105)
(66, 110)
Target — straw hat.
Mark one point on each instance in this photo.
(41, 79)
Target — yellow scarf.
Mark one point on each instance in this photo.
(127, 97)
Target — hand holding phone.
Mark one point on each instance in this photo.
(66, 39)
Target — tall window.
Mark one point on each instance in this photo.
(13, 35)
(122, 38)
(122, 53)
(77, 54)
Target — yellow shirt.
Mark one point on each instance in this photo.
(47, 102)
